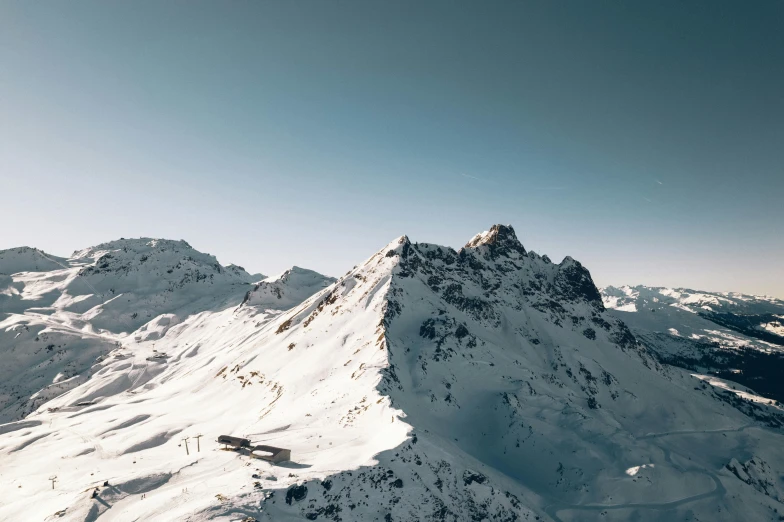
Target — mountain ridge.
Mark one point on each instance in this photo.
(483, 383)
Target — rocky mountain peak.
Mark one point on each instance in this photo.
(501, 239)
(242, 273)
(574, 283)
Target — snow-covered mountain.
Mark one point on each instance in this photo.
(427, 383)
(26, 259)
(758, 317)
(732, 336)
(57, 315)
(633, 298)
(731, 319)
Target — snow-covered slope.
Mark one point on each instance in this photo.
(427, 383)
(58, 315)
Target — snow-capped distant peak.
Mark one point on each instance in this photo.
(641, 297)
(28, 259)
(297, 275)
(287, 289)
(138, 245)
(243, 274)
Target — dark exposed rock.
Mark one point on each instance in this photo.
(573, 282)
(461, 331)
(623, 337)
(469, 477)
(428, 329)
(296, 493)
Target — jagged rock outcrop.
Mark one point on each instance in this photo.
(758, 474)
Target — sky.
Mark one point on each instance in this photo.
(644, 139)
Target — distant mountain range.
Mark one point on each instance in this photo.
(732, 336)
(759, 317)
(426, 383)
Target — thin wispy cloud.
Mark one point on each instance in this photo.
(648, 200)
(659, 182)
(477, 179)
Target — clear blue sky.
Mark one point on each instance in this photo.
(645, 139)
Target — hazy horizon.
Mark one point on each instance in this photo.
(643, 140)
